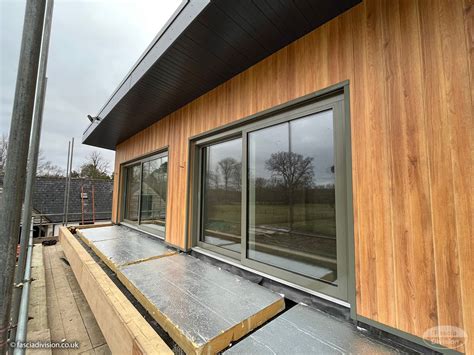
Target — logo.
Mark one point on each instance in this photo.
(448, 335)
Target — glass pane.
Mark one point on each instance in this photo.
(153, 198)
(132, 192)
(291, 193)
(221, 209)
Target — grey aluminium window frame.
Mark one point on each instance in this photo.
(337, 100)
(123, 191)
(199, 158)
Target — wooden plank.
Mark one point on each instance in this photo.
(54, 317)
(37, 307)
(74, 328)
(43, 336)
(125, 330)
(460, 118)
(93, 331)
(381, 177)
(422, 280)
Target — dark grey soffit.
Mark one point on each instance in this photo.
(203, 45)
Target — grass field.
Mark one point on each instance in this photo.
(317, 219)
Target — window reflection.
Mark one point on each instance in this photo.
(132, 195)
(222, 166)
(146, 186)
(291, 192)
(153, 195)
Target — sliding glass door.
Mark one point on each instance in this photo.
(272, 194)
(132, 187)
(145, 193)
(291, 196)
(222, 195)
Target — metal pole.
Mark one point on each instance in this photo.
(27, 205)
(93, 204)
(82, 203)
(25, 297)
(65, 182)
(15, 172)
(33, 162)
(69, 180)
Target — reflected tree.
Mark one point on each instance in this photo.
(292, 171)
(229, 169)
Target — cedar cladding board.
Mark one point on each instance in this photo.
(410, 65)
(48, 198)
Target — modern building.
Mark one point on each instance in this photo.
(325, 145)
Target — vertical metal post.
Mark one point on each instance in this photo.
(32, 162)
(69, 181)
(66, 180)
(15, 172)
(27, 206)
(93, 204)
(20, 335)
(82, 203)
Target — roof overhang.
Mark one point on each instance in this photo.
(204, 44)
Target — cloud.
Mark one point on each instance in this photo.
(93, 46)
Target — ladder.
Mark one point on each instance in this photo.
(88, 203)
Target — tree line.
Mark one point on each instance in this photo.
(93, 167)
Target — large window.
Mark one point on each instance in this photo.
(145, 189)
(272, 194)
(291, 196)
(222, 194)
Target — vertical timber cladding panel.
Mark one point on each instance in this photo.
(409, 64)
(459, 116)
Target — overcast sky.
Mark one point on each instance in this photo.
(94, 43)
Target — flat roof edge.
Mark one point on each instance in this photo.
(184, 15)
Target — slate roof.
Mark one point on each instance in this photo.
(48, 198)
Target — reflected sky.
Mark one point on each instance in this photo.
(311, 136)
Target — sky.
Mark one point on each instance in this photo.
(94, 43)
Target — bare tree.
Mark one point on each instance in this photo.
(213, 179)
(3, 152)
(237, 176)
(47, 168)
(292, 171)
(95, 166)
(228, 168)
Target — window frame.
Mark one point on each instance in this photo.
(123, 192)
(201, 146)
(336, 100)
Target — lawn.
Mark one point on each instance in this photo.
(312, 219)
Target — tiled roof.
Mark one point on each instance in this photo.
(48, 198)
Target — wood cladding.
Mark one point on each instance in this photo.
(410, 66)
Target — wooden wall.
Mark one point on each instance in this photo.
(410, 65)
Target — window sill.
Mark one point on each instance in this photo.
(236, 263)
